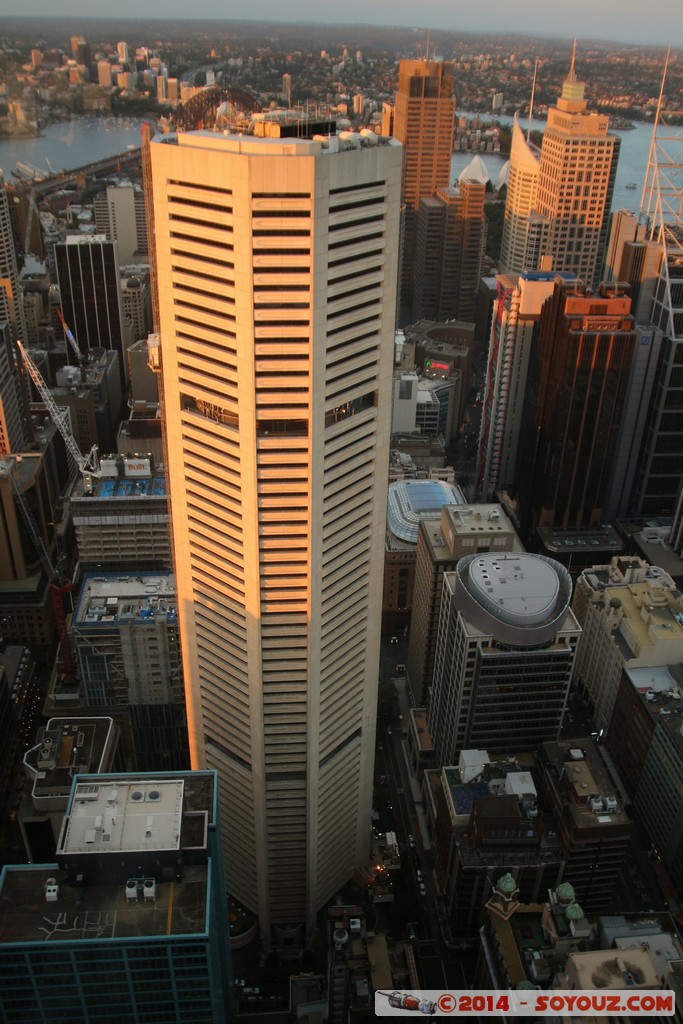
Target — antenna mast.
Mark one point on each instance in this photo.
(531, 102)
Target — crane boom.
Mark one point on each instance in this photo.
(71, 339)
(88, 464)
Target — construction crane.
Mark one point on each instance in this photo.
(89, 465)
(59, 586)
(72, 341)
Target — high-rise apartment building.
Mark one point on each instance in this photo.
(120, 215)
(136, 304)
(504, 654)
(424, 116)
(449, 248)
(515, 319)
(276, 270)
(563, 205)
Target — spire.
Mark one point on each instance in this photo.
(573, 91)
(572, 72)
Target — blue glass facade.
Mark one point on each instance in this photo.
(90, 953)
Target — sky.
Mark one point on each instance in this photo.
(630, 21)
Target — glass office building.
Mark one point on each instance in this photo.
(130, 924)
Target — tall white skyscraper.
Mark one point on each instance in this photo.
(276, 269)
(519, 202)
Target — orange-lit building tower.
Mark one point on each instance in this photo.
(276, 268)
(519, 202)
(449, 248)
(424, 116)
(575, 185)
(558, 204)
(578, 408)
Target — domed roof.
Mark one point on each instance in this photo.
(475, 171)
(573, 912)
(506, 884)
(410, 501)
(565, 892)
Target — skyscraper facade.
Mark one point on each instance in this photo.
(424, 116)
(12, 424)
(90, 290)
(449, 248)
(515, 318)
(11, 309)
(557, 213)
(575, 184)
(120, 215)
(130, 923)
(519, 201)
(577, 407)
(276, 269)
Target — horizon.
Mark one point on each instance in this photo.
(646, 27)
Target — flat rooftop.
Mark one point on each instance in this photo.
(468, 519)
(129, 487)
(588, 541)
(585, 775)
(97, 912)
(68, 745)
(115, 598)
(119, 817)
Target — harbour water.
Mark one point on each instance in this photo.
(77, 142)
(68, 144)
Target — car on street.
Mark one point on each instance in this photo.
(411, 842)
(421, 887)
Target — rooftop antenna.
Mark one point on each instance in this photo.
(427, 53)
(647, 200)
(531, 103)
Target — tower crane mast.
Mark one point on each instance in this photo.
(89, 465)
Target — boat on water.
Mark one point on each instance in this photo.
(25, 171)
(631, 185)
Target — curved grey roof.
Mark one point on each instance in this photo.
(519, 598)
